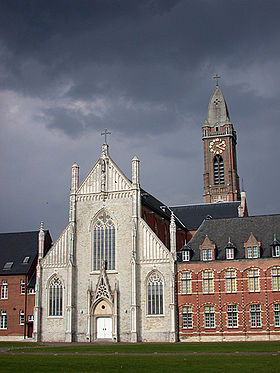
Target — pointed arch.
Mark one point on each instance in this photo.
(218, 167)
(55, 296)
(154, 293)
(103, 234)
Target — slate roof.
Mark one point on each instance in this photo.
(14, 247)
(193, 215)
(219, 231)
(157, 206)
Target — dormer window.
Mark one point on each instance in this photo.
(207, 254)
(207, 250)
(230, 250)
(252, 248)
(252, 252)
(230, 253)
(186, 255)
(275, 247)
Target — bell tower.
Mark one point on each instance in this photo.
(221, 181)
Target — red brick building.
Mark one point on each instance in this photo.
(228, 279)
(18, 260)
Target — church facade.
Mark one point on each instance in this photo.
(108, 276)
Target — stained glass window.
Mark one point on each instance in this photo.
(155, 294)
(103, 243)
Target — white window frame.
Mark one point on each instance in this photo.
(255, 316)
(187, 317)
(22, 287)
(3, 320)
(209, 317)
(276, 251)
(275, 279)
(4, 290)
(186, 282)
(230, 253)
(21, 317)
(232, 316)
(254, 280)
(186, 255)
(208, 282)
(276, 309)
(230, 281)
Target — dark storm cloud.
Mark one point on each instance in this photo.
(143, 69)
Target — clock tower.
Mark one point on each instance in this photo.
(221, 181)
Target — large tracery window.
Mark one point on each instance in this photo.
(103, 243)
(219, 173)
(55, 297)
(155, 294)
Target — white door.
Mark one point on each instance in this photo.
(104, 327)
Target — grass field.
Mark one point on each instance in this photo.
(22, 360)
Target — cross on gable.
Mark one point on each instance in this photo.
(216, 77)
(105, 133)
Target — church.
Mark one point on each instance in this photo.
(114, 272)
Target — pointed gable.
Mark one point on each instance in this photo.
(102, 290)
(105, 176)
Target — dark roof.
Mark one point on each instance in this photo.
(157, 206)
(14, 247)
(193, 215)
(238, 230)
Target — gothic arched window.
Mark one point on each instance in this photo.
(219, 174)
(55, 297)
(155, 294)
(103, 243)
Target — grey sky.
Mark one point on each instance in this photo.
(142, 69)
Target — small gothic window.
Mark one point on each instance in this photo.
(219, 174)
(55, 297)
(155, 294)
(103, 243)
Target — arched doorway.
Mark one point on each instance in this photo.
(102, 321)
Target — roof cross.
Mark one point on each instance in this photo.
(105, 133)
(216, 77)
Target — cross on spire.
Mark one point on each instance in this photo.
(105, 133)
(216, 77)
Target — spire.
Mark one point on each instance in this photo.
(217, 109)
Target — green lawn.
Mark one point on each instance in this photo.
(154, 347)
(154, 364)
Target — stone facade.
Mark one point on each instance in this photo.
(114, 298)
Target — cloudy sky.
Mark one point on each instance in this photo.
(144, 70)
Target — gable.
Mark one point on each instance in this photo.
(105, 172)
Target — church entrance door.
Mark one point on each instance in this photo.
(104, 327)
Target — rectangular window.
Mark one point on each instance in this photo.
(4, 290)
(3, 320)
(275, 278)
(232, 317)
(230, 278)
(208, 282)
(255, 316)
(186, 283)
(276, 308)
(209, 315)
(187, 317)
(207, 254)
(254, 280)
(22, 287)
(252, 252)
(21, 317)
(230, 253)
(186, 255)
(276, 251)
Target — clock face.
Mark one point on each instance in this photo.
(217, 146)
